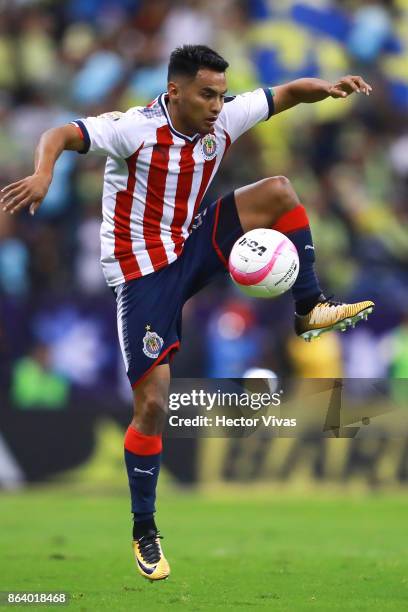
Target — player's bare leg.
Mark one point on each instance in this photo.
(272, 202)
(143, 445)
(150, 398)
(263, 203)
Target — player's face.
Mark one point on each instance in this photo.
(198, 101)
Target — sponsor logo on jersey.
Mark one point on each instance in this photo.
(114, 115)
(209, 147)
(152, 344)
(198, 220)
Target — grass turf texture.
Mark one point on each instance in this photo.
(268, 552)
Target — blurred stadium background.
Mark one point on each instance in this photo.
(64, 401)
(348, 161)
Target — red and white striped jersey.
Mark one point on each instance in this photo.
(156, 177)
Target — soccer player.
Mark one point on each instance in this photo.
(159, 247)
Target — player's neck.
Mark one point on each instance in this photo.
(177, 122)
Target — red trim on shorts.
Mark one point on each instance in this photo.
(141, 444)
(172, 347)
(292, 221)
(213, 239)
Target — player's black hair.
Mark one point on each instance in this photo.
(188, 59)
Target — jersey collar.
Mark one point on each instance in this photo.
(162, 101)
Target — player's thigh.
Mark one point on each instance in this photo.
(261, 203)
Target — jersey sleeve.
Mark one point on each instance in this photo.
(246, 110)
(113, 134)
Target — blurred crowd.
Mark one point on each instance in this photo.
(348, 161)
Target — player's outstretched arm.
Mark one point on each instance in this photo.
(315, 90)
(31, 190)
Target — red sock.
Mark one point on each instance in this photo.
(142, 444)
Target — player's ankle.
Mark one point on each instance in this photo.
(142, 526)
(303, 307)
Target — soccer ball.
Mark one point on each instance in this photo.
(264, 263)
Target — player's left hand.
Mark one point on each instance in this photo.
(349, 84)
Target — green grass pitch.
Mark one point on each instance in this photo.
(237, 552)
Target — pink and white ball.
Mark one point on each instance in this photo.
(264, 263)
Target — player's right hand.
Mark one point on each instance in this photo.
(30, 191)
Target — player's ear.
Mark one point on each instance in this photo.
(173, 89)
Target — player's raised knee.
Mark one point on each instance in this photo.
(279, 194)
(278, 188)
(278, 182)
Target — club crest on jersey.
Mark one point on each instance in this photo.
(209, 147)
(152, 344)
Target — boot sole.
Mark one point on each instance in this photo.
(342, 325)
